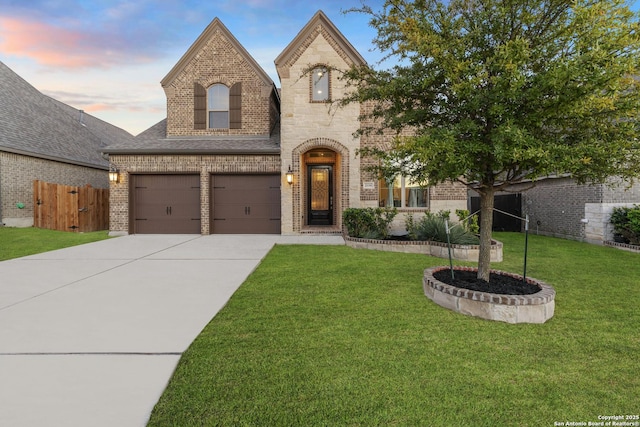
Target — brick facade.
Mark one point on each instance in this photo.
(17, 173)
(560, 207)
(204, 165)
(304, 126)
(219, 59)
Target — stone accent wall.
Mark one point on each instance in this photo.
(308, 125)
(17, 173)
(205, 165)
(220, 62)
(598, 228)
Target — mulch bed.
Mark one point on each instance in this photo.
(498, 283)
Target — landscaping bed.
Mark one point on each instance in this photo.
(505, 298)
(437, 249)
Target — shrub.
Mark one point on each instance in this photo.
(432, 227)
(368, 223)
(469, 223)
(626, 222)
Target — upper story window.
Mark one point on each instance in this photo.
(320, 84)
(218, 106)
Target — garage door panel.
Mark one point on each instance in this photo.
(246, 204)
(247, 226)
(264, 196)
(166, 204)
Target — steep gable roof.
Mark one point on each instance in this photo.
(319, 24)
(36, 125)
(201, 41)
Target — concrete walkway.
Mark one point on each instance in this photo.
(90, 335)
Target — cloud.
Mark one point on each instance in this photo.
(54, 46)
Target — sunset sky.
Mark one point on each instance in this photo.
(107, 57)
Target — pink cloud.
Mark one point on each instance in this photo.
(60, 47)
(92, 108)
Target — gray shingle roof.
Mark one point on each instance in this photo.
(155, 141)
(34, 124)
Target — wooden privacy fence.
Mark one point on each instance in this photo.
(69, 208)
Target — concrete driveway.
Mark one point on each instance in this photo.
(90, 335)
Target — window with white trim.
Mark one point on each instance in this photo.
(218, 106)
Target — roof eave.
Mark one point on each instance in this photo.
(186, 151)
(54, 158)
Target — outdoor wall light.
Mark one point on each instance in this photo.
(113, 174)
(289, 176)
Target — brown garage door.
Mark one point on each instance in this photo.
(165, 204)
(246, 204)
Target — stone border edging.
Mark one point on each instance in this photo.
(436, 249)
(534, 308)
(622, 246)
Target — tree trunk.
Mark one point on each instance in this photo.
(486, 224)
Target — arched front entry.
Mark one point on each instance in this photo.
(320, 192)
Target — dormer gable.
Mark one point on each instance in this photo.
(218, 89)
(216, 27)
(318, 26)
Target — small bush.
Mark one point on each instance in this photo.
(626, 222)
(368, 223)
(432, 227)
(469, 224)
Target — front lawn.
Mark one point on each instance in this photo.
(333, 336)
(19, 242)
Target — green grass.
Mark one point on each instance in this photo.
(18, 242)
(334, 336)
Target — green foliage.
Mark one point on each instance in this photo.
(496, 92)
(368, 223)
(626, 222)
(499, 92)
(432, 228)
(469, 223)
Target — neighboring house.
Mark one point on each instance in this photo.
(560, 207)
(44, 139)
(236, 155)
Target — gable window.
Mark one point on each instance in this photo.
(218, 106)
(320, 84)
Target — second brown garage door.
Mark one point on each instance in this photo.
(245, 204)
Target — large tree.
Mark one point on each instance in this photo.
(495, 93)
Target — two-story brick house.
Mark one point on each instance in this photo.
(237, 155)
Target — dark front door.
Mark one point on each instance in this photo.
(320, 194)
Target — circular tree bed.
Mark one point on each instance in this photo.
(505, 298)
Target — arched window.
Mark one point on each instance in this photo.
(218, 106)
(320, 84)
